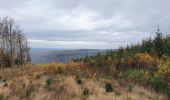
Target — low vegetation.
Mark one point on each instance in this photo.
(74, 82)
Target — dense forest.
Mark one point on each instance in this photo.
(14, 49)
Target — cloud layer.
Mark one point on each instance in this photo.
(87, 23)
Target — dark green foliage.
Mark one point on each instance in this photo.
(137, 76)
(160, 83)
(166, 46)
(156, 83)
(129, 87)
(108, 87)
(49, 81)
(120, 52)
(168, 91)
(158, 44)
(2, 97)
(48, 85)
(148, 45)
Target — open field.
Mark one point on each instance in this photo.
(57, 81)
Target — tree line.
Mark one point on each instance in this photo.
(159, 46)
(14, 49)
(154, 48)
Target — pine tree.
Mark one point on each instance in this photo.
(149, 45)
(159, 43)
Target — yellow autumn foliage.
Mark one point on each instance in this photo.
(143, 57)
(145, 74)
(163, 67)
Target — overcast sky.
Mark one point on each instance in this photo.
(82, 24)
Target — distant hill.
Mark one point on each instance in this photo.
(47, 55)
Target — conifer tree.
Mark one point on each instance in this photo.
(158, 43)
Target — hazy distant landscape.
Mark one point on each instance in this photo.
(48, 55)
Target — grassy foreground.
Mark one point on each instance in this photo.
(72, 81)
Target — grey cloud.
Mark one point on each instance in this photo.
(111, 23)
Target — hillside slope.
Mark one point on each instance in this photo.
(59, 81)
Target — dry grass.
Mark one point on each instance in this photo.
(30, 83)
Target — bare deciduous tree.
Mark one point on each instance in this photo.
(14, 48)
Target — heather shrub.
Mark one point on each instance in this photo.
(108, 87)
(49, 81)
